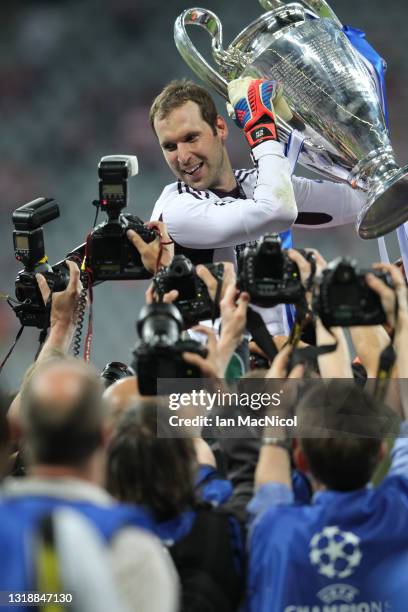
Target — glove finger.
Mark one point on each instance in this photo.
(280, 105)
(230, 111)
(238, 89)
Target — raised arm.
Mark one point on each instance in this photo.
(64, 306)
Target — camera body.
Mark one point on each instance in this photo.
(159, 355)
(193, 300)
(342, 297)
(110, 254)
(268, 275)
(28, 241)
(32, 311)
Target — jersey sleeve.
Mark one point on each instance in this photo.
(324, 204)
(201, 220)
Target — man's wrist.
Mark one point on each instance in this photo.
(285, 443)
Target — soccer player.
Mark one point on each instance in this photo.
(211, 208)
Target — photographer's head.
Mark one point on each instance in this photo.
(343, 435)
(63, 419)
(156, 472)
(192, 136)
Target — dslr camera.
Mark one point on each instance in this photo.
(159, 354)
(193, 302)
(28, 241)
(342, 297)
(110, 254)
(268, 275)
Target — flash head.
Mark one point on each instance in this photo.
(125, 165)
(35, 214)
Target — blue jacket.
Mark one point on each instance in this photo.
(345, 552)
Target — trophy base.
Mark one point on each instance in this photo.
(386, 207)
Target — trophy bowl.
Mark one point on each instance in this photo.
(331, 95)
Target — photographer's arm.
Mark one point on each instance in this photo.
(336, 364)
(62, 320)
(368, 342)
(400, 325)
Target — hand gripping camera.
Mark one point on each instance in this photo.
(193, 300)
(268, 275)
(159, 354)
(342, 297)
(110, 254)
(28, 241)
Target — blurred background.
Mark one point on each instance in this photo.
(78, 77)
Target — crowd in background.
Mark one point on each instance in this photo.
(78, 79)
(265, 521)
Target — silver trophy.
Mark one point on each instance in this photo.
(331, 95)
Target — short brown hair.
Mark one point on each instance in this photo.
(148, 470)
(177, 93)
(352, 425)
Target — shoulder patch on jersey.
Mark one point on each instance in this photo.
(243, 174)
(184, 188)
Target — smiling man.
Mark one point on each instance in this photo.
(212, 208)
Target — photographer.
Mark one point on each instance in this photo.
(350, 533)
(159, 474)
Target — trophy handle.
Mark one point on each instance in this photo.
(320, 7)
(210, 22)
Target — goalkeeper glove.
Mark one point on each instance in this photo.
(252, 107)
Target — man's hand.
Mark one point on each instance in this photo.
(233, 308)
(229, 278)
(305, 268)
(387, 295)
(210, 366)
(64, 304)
(154, 254)
(254, 103)
(168, 298)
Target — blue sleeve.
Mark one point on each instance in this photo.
(211, 487)
(399, 453)
(270, 494)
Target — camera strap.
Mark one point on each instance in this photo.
(257, 328)
(89, 284)
(386, 362)
(217, 297)
(17, 338)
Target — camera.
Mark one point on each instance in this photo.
(193, 300)
(114, 371)
(268, 275)
(28, 241)
(110, 254)
(159, 355)
(342, 297)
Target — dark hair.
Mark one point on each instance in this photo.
(351, 426)
(148, 470)
(177, 93)
(60, 434)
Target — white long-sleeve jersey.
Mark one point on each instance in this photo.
(209, 226)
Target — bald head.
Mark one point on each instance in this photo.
(119, 397)
(61, 412)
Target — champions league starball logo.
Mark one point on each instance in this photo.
(335, 553)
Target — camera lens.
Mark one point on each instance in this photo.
(160, 325)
